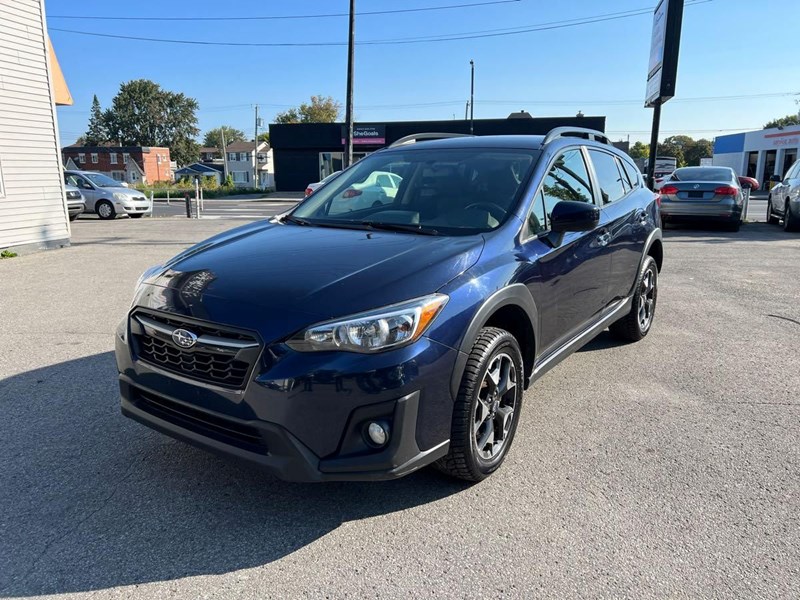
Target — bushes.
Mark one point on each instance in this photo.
(211, 189)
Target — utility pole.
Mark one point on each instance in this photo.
(255, 153)
(224, 154)
(351, 42)
(472, 97)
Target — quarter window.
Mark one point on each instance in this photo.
(633, 173)
(537, 222)
(608, 176)
(567, 179)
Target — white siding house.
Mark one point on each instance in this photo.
(33, 212)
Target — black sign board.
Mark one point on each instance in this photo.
(664, 46)
(367, 134)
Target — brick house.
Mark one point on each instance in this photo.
(132, 164)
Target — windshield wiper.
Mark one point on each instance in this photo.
(400, 227)
(295, 220)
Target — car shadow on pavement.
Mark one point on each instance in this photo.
(710, 234)
(91, 500)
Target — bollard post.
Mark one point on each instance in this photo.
(151, 204)
(167, 196)
(746, 203)
(188, 205)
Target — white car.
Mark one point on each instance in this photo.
(108, 197)
(377, 189)
(313, 186)
(784, 199)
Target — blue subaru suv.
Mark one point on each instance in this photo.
(362, 340)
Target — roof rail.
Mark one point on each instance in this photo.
(416, 137)
(591, 134)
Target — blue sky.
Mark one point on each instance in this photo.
(597, 68)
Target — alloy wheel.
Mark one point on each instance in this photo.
(494, 410)
(647, 295)
(104, 210)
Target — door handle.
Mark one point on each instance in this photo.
(603, 237)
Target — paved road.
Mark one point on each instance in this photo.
(668, 468)
(220, 209)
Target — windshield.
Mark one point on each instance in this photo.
(102, 180)
(444, 191)
(702, 174)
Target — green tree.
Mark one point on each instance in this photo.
(144, 114)
(322, 109)
(263, 137)
(701, 148)
(96, 133)
(213, 137)
(786, 121)
(639, 150)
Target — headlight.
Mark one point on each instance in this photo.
(372, 331)
(120, 196)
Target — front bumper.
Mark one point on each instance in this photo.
(136, 207)
(75, 208)
(301, 417)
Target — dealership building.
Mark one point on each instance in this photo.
(759, 154)
(307, 152)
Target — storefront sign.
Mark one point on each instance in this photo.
(662, 67)
(374, 135)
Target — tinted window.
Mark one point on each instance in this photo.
(536, 218)
(455, 191)
(702, 174)
(626, 182)
(608, 176)
(567, 179)
(633, 173)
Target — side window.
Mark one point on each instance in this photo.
(626, 182)
(633, 173)
(567, 179)
(536, 219)
(608, 176)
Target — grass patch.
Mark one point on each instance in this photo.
(8, 254)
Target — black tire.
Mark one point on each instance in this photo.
(630, 328)
(790, 222)
(464, 461)
(105, 210)
(734, 225)
(771, 218)
(73, 217)
(136, 216)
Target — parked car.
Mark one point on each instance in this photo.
(784, 199)
(75, 205)
(748, 182)
(377, 188)
(659, 178)
(311, 187)
(703, 194)
(364, 345)
(106, 196)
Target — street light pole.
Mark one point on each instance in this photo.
(472, 97)
(348, 141)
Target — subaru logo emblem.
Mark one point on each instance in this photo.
(183, 338)
(696, 185)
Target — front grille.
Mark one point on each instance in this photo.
(207, 424)
(220, 356)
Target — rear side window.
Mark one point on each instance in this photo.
(608, 176)
(568, 179)
(633, 173)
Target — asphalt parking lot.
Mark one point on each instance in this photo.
(666, 468)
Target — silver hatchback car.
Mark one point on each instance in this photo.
(784, 199)
(106, 196)
(703, 194)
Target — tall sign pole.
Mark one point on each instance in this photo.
(348, 140)
(255, 153)
(663, 69)
(471, 96)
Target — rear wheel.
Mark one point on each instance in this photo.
(771, 218)
(636, 324)
(486, 412)
(105, 210)
(790, 221)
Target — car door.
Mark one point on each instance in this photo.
(626, 219)
(568, 280)
(790, 187)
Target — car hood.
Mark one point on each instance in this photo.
(305, 274)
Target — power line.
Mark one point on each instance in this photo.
(414, 40)
(284, 17)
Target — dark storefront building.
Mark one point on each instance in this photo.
(307, 152)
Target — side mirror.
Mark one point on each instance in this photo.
(776, 178)
(574, 216)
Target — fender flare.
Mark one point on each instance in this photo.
(516, 294)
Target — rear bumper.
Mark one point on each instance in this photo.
(726, 210)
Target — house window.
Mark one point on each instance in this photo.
(125, 157)
(241, 176)
(118, 175)
(113, 158)
(95, 158)
(82, 158)
(243, 156)
(232, 155)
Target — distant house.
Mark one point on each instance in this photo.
(33, 211)
(131, 164)
(201, 170)
(241, 164)
(210, 155)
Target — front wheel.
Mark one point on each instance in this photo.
(790, 222)
(636, 324)
(487, 409)
(105, 210)
(771, 218)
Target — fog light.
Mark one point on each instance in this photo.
(378, 433)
